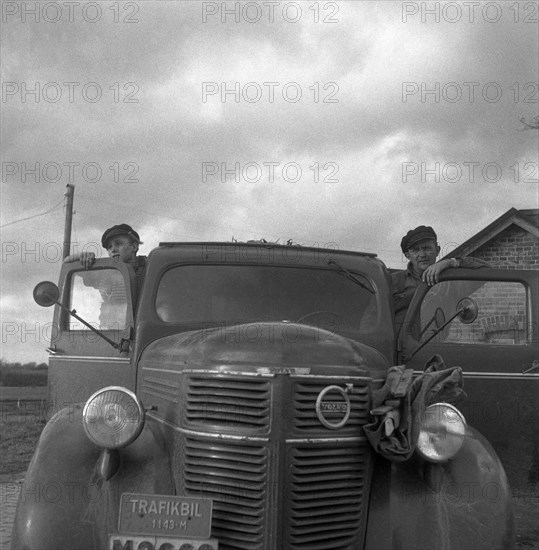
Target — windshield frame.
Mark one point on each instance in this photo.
(354, 334)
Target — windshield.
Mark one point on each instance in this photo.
(230, 294)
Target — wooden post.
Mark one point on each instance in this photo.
(70, 192)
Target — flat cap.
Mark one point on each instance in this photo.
(116, 230)
(418, 234)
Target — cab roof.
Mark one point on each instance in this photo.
(264, 244)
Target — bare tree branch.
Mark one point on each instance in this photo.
(533, 125)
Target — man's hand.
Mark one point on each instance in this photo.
(430, 275)
(87, 259)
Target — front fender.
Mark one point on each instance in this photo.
(64, 503)
(460, 505)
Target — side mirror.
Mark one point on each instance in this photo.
(469, 310)
(46, 294)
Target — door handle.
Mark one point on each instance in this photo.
(535, 366)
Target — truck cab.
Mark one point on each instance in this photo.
(252, 398)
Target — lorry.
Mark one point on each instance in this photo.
(257, 396)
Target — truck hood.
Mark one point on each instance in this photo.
(271, 345)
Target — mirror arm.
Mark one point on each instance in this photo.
(432, 319)
(423, 344)
(98, 332)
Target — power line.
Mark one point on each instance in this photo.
(35, 216)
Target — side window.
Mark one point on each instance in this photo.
(99, 297)
(503, 313)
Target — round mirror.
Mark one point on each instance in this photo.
(469, 312)
(46, 294)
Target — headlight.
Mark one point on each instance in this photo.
(113, 417)
(442, 432)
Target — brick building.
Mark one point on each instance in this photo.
(510, 242)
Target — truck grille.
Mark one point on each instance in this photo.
(279, 490)
(326, 496)
(228, 401)
(234, 477)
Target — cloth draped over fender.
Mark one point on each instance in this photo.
(400, 403)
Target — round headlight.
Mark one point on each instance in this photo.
(442, 432)
(113, 417)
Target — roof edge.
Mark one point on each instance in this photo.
(266, 245)
(511, 217)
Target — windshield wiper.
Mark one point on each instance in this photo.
(350, 275)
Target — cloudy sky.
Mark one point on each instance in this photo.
(322, 122)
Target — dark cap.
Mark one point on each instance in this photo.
(418, 234)
(116, 230)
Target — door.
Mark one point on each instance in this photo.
(497, 350)
(80, 360)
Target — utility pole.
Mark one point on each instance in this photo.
(70, 192)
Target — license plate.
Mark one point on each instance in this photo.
(165, 516)
(132, 542)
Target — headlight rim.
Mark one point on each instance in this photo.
(449, 455)
(140, 410)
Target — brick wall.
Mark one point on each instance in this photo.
(513, 248)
